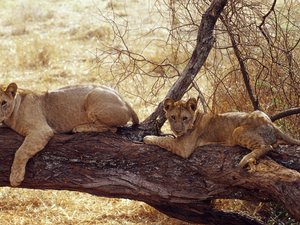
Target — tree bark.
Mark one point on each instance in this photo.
(111, 165)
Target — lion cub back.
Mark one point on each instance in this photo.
(64, 107)
(67, 107)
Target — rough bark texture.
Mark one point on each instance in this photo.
(111, 165)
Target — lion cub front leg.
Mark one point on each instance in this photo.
(171, 144)
(33, 143)
(252, 157)
(249, 137)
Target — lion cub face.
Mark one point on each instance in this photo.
(7, 101)
(181, 114)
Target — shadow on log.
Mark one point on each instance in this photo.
(110, 165)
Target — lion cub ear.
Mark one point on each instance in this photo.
(192, 104)
(11, 89)
(168, 104)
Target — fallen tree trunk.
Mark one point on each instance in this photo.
(111, 165)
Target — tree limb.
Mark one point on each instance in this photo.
(285, 113)
(243, 68)
(110, 165)
(264, 20)
(203, 46)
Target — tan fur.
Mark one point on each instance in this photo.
(254, 131)
(70, 109)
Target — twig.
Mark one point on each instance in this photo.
(201, 97)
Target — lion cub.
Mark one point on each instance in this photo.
(76, 108)
(254, 131)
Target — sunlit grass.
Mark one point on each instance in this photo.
(21, 206)
(49, 44)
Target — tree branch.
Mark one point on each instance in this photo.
(285, 113)
(243, 68)
(110, 165)
(264, 19)
(203, 46)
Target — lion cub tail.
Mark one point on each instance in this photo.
(286, 138)
(134, 116)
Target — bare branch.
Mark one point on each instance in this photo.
(203, 46)
(245, 74)
(285, 113)
(201, 97)
(265, 16)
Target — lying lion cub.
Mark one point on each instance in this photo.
(74, 108)
(254, 131)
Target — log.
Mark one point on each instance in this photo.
(111, 165)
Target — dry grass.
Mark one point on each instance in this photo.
(49, 44)
(87, 33)
(249, 208)
(114, 5)
(21, 206)
(34, 53)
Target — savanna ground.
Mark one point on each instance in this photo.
(49, 44)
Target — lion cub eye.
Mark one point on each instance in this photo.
(184, 118)
(173, 117)
(3, 103)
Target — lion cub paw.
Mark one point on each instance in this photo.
(149, 139)
(16, 177)
(250, 161)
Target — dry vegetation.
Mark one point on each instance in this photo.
(64, 207)
(139, 47)
(49, 44)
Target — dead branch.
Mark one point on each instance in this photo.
(203, 46)
(243, 68)
(285, 113)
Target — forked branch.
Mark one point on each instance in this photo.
(203, 46)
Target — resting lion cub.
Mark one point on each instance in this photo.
(254, 131)
(75, 108)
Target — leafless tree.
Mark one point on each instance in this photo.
(235, 55)
(253, 58)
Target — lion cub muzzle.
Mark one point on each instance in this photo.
(180, 120)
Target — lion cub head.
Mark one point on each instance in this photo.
(7, 101)
(181, 114)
